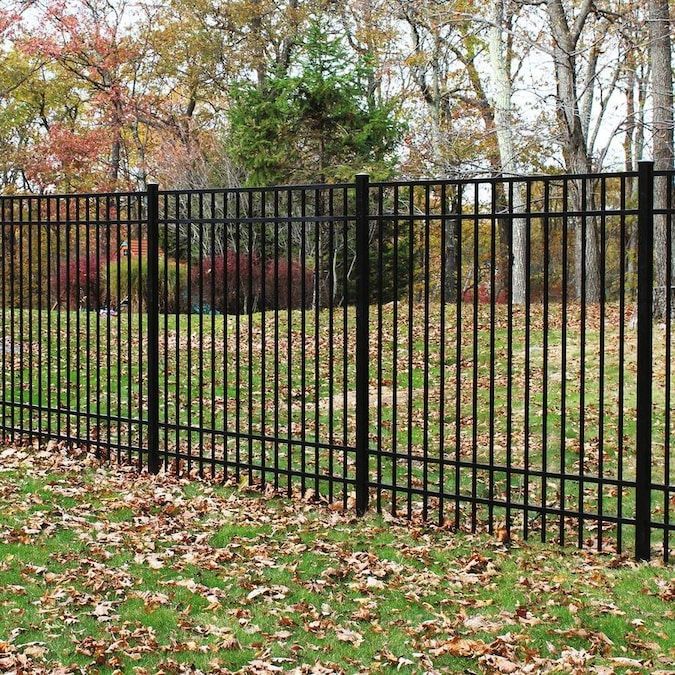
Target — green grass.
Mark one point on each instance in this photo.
(105, 570)
(258, 375)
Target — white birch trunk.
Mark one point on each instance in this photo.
(501, 74)
(662, 138)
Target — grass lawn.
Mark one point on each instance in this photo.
(103, 570)
(291, 376)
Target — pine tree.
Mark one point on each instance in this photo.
(318, 123)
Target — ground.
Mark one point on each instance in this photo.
(104, 570)
(291, 375)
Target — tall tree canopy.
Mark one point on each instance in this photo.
(317, 120)
(106, 93)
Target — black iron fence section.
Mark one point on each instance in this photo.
(257, 325)
(487, 353)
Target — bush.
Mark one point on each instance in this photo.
(247, 270)
(127, 281)
(173, 284)
(207, 282)
(79, 284)
(484, 295)
(279, 274)
(389, 270)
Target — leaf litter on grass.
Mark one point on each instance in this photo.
(107, 570)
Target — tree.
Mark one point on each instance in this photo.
(503, 122)
(319, 124)
(87, 44)
(454, 136)
(662, 135)
(467, 99)
(566, 34)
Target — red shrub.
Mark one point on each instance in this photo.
(278, 275)
(247, 294)
(241, 272)
(501, 298)
(79, 284)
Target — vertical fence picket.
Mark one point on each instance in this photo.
(643, 446)
(362, 338)
(153, 328)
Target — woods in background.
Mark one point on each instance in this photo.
(110, 94)
(102, 94)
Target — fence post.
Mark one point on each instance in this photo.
(643, 441)
(362, 340)
(153, 327)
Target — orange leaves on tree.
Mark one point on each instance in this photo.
(68, 156)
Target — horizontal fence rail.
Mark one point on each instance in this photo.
(493, 353)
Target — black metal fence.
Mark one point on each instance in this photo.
(489, 353)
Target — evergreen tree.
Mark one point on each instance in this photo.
(318, 121)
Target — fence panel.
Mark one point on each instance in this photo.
(72, 361)
(257, 336)
(471, 352)
(505, 394)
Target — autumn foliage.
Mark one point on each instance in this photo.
(231, 284)
(78, 283)
(237, 283)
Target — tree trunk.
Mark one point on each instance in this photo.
(574, 146)
(662, 121)
(115, 153)
(451, 226)
(503, 122)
